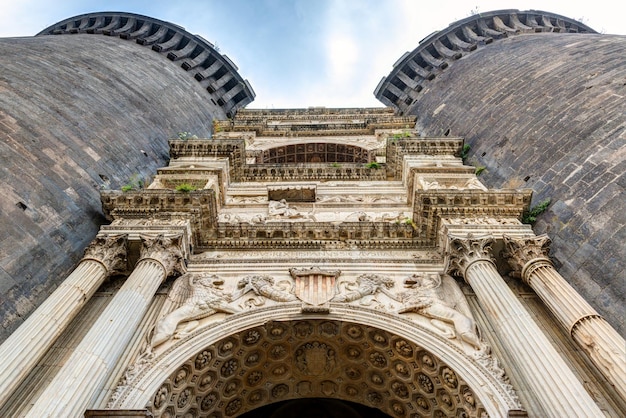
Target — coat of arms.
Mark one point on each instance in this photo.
(315, 286)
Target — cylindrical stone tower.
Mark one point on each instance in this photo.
(540, 99)
(89, 103)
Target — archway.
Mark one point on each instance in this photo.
(314, 408)
(380, 361)
(316, 152)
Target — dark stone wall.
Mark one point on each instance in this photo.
(77, 113)
(548, 111)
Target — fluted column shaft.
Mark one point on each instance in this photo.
(529, 257)
(87, 369)
(538, 363)
(30, 342)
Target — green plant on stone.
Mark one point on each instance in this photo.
(335, 164)
(186, 135)
(465, 151)
(134, 183)
(185, 188)
(531, 216)
(373, 164)
(479, 170)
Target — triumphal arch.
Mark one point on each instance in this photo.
(321, 262)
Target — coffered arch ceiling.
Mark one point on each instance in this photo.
(314, 359)
(370, 358)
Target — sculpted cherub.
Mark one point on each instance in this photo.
(442, 301)
(193, 296)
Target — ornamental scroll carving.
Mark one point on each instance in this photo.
(464, 251)
(520, 251)
(111, 251)
(166, 250)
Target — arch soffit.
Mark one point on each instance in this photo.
(482, 377)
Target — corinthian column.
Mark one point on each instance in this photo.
(529, 258)
(544, 372)
(85, 372)
(25, 347)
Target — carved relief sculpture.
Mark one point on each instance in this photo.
(193, 296)
(442, 301)
(367, 285)
(281, 210)
(315, 286)
(263, 287)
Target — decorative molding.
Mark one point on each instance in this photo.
(432, 205)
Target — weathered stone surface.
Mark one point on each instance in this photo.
(77, 113)
(546, 111)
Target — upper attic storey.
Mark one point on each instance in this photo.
(315, 121)
(318, 144)
(315, 135)
(215, 72)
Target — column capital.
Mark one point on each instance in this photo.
(465, 251)
(523, 252)
(166, 250)
(110, 251)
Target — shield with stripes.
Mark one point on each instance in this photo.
(315, 286)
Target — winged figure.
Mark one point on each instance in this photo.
(193, 296)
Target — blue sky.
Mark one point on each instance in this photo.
(301, 53)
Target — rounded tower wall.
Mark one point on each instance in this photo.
(78, 113)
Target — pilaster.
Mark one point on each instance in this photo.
(529, 258)
(104, 256)
(77, 383)
(543, 371)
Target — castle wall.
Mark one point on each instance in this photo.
(77, 113)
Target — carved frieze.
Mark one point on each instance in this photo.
(444, 303)
(193, 296)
